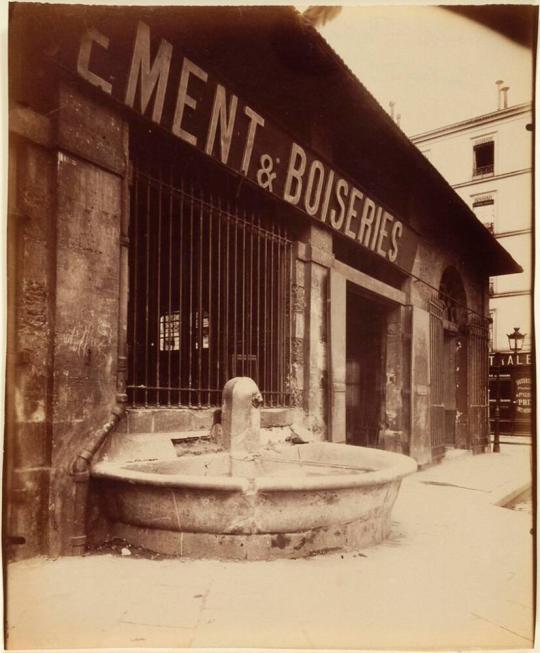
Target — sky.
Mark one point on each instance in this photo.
(437, 66)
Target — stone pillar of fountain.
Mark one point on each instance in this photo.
(241, 415)
(241, 423)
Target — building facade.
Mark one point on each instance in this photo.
(182, 211)
(488, 162)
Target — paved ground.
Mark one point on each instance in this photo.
(456, 572)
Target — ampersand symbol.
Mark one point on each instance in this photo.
(265, 176)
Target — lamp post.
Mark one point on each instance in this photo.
(496, 434)
(515, 344)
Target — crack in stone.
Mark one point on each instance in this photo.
(461, 487)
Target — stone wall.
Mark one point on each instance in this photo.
(315, 252)
(431, 261)
(396, 428)
(92, 160)
(299, 307)
(66, 201)
(31, 320)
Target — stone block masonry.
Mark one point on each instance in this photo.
(66, 203)
(31, 291)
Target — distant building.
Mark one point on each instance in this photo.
(488, 161)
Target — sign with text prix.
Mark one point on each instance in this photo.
(179, 95)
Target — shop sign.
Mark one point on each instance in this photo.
(510, 360)
(523, 396)
(157, 81)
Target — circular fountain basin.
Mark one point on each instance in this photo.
(289, 502)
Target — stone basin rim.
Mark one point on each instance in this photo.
(121, 471)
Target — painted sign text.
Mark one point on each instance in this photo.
(179, 95)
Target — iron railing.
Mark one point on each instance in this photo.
(480, 171)
(210, 294)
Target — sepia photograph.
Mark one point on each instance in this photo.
(270, 372)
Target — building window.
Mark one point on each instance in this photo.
(484, 209)
(484, 158)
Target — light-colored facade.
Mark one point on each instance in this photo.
(488, 162)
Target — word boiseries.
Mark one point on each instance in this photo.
(202, 112)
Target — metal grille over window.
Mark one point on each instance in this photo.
(210, 293)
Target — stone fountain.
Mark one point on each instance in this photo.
(249, 501)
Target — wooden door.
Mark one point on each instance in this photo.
(477, 369)
(364, 360)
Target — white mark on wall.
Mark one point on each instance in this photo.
(79, 338)
(64, 158)
(22, 405)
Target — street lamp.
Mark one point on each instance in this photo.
(515, 343)
(515, 340)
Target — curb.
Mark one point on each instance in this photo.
(509, 493)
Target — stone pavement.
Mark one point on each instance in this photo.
(455, 573)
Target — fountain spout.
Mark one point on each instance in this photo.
(241, 415)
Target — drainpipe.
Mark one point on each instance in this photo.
(80, 472)
(80, 467)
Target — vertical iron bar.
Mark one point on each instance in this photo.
(226, 351)
(272, 301)
(190, 343)
(283, 302)
(291, 318)
(135, 287)
(282, 310)
(170, 274)
(244, 354)
(158, 280)
(147, 291)
(235, 290)
(210, 264)
(200, 298)
(279, 312)
(266, 273)
(257, 225)
(277, 317)
(181, 320)
(218, 309)
(251, 302)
